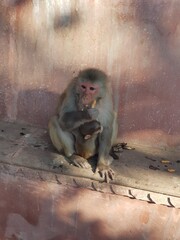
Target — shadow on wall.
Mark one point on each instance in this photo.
(149, 96)
(13, 3)
(4, 85)
(150, 106)
(52, 212)
(149, 92)
(36, 106)
(139, 109)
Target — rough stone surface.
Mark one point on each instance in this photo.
(140, 173)
(43, 197)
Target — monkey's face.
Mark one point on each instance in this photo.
(87, 93)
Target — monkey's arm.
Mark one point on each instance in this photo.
(72, 120)
(104, 159)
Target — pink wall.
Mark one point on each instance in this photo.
(45, 43)
(34, 210)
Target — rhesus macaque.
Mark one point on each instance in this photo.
(86, 123)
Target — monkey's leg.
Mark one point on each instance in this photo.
(61, 140)
(64, 141)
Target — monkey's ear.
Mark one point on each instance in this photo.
(87, 137)
(75, 79)
(79, 74)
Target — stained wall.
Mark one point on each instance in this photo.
(137, 43)
(33, 210)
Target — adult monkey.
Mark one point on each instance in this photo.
(86, 100)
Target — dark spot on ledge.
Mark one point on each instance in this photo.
(22, 133)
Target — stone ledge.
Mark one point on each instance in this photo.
(27, 152)
(80, 182)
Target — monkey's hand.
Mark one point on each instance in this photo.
(79, 161)
(105, 172)
(93, 112)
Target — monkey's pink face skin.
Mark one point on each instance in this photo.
(88, 92)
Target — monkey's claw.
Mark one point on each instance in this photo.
(106, 173)
(79, 161)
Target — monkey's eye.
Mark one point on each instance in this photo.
(83, 87)
(92, 88)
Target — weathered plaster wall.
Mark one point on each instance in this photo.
(45, 43)
(39, 210)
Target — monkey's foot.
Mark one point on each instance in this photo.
(79, 161)
(105, 172)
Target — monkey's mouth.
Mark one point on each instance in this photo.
(87, 101)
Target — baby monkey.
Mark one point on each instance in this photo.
(90, 129)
